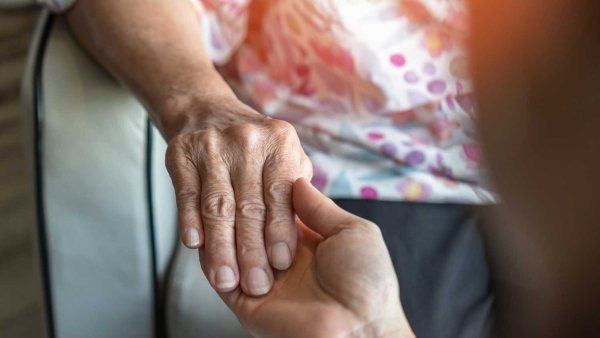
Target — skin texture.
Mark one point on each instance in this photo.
(334, 288)
(232, 167)
(242, 177)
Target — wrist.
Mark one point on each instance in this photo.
(179, 101)
(202, 110)
(180, 113)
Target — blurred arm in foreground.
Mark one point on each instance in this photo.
(537, 81)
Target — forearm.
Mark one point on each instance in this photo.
(155, 48)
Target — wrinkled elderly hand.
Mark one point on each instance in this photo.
(341, 284)
(233, 172)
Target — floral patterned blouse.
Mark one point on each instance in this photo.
(378, 90)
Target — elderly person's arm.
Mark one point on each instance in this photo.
(232, 167)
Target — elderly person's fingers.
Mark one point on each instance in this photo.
(234, 190)
(184, 175)
(256, 274)
(282, 167)
(217, 206)
(280, 232)
(246, 178)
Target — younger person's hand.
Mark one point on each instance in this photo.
(341, 284)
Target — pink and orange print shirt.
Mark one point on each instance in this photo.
(378, 90)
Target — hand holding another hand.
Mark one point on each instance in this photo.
(341, 283)
(233, 170)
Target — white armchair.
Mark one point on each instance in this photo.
(106, 212)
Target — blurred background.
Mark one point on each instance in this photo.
(20, 293)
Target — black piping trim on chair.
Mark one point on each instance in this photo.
(159, 328)
(39, 183)
(39, 192)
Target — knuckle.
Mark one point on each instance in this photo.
(175, 153)
(282, 131)
(252, 208)
(209, 132)
(209, 144)
(327, 204)
(218, 206)
(178, 142)
(247, 135)
(281, 126)
(279, 191)
(369, 226)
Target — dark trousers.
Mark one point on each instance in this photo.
(440, 260)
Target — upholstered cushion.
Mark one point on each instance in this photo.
(97, 161)
(194, 310)
(107, 220)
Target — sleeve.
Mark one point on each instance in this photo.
(224, 25)
(57, 6)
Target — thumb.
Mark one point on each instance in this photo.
(317, 211)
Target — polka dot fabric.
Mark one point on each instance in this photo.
(378, 90)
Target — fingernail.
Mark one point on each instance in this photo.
(281, 257)
(258, 282)
(224, 278)
(192, 238)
